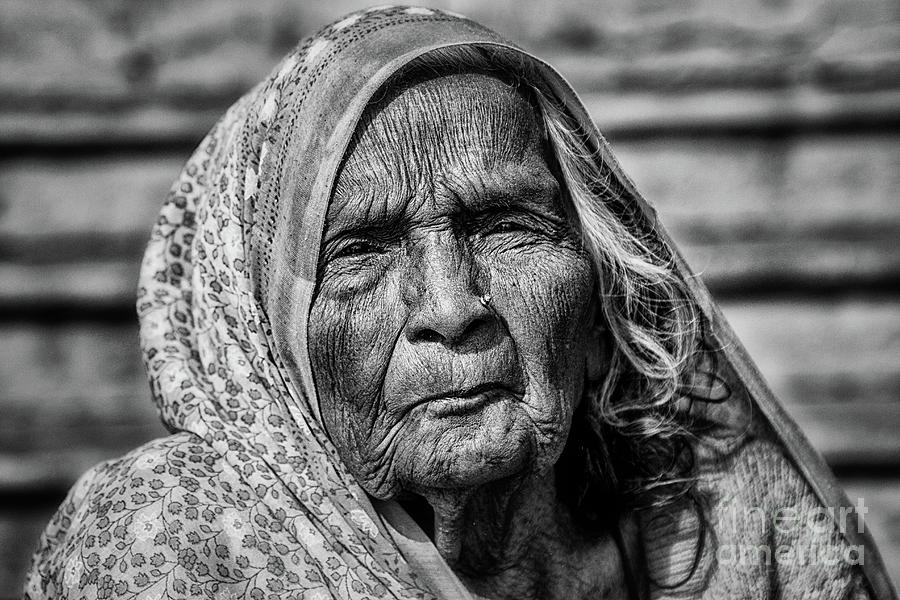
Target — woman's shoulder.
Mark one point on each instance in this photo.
(137, 500)
(765, 532)
(755, 472)
(150, 471)
(768, 520)
(169, 456)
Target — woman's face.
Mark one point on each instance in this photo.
(447, 197)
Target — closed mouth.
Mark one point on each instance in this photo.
(459, 402)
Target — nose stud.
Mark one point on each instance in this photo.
(485, 300)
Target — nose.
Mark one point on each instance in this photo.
(444, 299)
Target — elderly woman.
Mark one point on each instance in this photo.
(416, 335)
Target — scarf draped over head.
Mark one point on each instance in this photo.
(248, 498)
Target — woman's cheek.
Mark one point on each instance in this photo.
(352, 339)
(345, 333)
(546, 296)
(544, 299)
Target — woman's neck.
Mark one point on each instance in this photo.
(515, 539)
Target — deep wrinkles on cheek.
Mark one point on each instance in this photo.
(345, 349)
(379, 458)
(542, 311)
(363, 419)
(341, 352)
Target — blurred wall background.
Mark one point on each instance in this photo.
(766, 131)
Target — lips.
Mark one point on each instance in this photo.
(437, 381)
(468, 400)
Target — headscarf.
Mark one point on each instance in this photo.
(248, 498)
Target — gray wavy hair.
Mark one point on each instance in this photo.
(631, 441)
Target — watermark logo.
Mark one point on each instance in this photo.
(808, 535)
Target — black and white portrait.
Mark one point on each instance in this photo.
(461, 301)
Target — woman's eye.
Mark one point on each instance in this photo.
(358, 248)
(505, 227)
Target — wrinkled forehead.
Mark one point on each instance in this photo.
(436, 134)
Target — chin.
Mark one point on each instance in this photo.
(467, 451)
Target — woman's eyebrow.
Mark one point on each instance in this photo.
(383, 226)
(537, 194)
(359, 215)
